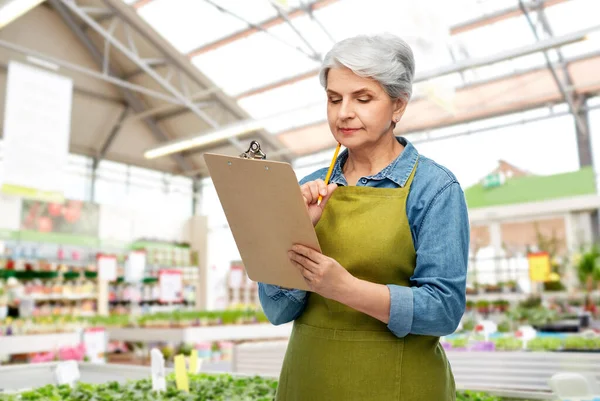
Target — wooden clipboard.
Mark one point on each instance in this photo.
(266, 213)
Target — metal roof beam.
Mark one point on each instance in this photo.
(567, 96)
(179, 61)
(114, 132)
(135, 103)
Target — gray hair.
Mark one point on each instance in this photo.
(385, 58)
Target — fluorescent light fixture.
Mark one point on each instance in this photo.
(10, 10)
(225, 132)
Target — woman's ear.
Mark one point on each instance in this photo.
(399, 109)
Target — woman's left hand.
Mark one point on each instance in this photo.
(324, 275)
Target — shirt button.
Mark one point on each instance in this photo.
(363, 180)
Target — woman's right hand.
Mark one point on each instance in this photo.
(310, 192)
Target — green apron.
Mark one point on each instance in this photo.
(336, 353)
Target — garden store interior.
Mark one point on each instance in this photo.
(115, 250)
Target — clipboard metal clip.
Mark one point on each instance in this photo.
(254, 152)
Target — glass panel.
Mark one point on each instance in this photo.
(189, 24)
(255, 61)
(299, 104)
(109, 192)
(571, 16)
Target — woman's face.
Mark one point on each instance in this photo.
(359, 110)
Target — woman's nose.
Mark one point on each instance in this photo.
(346, 110)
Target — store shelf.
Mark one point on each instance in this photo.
(60, 297)
(263, 331)
(22, 377)
(11, 345)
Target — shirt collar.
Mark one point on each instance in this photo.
(397, 171)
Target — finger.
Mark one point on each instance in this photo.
(322, 187)
(314, 189)
(330, 189)
(307, 252)
(304, 272)
(307, 194)
(303, 261)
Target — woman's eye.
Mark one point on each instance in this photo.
(335, 101)
(364, 100)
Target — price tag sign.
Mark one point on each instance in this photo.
(539, 267)
(170, 284)
(67, 373)
(134, 269)
(107, 267)
(181, 375)
(159, 382)
(236, 276)
(95, 342)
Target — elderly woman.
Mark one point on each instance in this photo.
(394, 233)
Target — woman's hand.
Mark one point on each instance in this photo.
(311, 191)
(324, 275)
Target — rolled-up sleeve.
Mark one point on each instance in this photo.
(281, 305)
(435, 301)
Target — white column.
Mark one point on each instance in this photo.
(198, 243)
(495, 231)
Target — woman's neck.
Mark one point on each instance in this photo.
(369, 161)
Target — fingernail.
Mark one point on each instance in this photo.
(323, 192)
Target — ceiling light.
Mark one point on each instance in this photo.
(220, 134)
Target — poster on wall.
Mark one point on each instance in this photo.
(170, 283)
(37, 126)
(70, 217)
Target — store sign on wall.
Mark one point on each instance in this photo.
(37, 126)
(70, 217)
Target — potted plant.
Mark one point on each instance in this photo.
(470, 305)
(501, 305)
(510, 286)
(588, 268)
(504, 326)
(483, 307)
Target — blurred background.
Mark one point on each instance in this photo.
(112, 237)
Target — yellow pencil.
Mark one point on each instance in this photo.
(328, 176)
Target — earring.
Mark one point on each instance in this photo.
(397, 119)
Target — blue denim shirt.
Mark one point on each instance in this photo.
(437, 214)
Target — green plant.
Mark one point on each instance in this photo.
(545, 344)
(588, 268)
(531, 302)
(504, 327)
(508, 344)
(202, 387)
(469, 324)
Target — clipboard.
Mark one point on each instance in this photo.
(266, 213)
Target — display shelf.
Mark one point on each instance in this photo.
(22, 377)
(261, 331)
(25, 344)
(60, 297)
